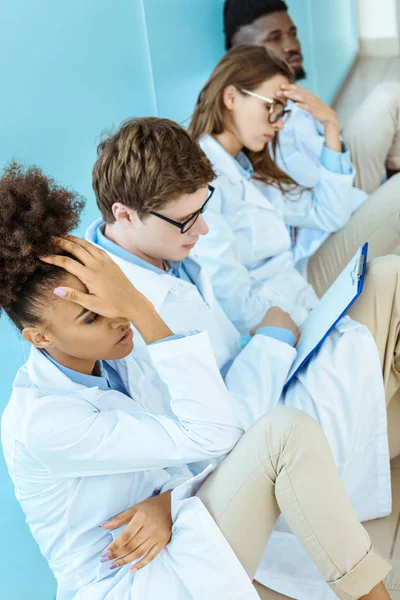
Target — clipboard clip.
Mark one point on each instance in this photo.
(357, 272)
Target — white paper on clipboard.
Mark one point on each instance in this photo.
(329, 310)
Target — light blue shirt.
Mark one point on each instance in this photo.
(337, 162)
(108, 379)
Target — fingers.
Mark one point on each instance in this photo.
(148, 550)
(123, 543)
(66, 263)
(135, 548)
(119, 519)
(85, 300)
(90, 248)
(304, 106)
(289, 86)
(70, 245)
(152, 553)
(294, 95)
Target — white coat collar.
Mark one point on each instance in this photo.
(49, 380)
(154, 286)
(221, 160)
(225, 164)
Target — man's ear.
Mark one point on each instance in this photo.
(36, 337)
(123, 214)
(229, 96)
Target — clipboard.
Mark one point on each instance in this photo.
(330, 309)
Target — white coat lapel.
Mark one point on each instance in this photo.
(200, 278)
(225, 164)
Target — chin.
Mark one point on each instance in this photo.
(120, 352)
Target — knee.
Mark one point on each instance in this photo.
(384, 270)
(386, 95)
(285, 424)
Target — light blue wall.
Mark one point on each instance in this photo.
(71, 69)
(329, 37)
(186, 41)
(68, 70)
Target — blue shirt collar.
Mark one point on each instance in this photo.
(109, 246)
(244, 165)
(100, 381)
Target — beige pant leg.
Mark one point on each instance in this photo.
(283, 464)
(373, 136)
(378, 308)
(377, 222)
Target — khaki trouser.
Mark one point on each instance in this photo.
(373, 136)
(378, 308)
(377, 222)
(283, 464)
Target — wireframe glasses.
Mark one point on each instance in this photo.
(277, 109)
(184, 227)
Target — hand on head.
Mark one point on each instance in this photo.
(109, 291)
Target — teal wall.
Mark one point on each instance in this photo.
(328, 33)
(72, 69)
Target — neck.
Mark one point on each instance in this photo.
(117, 234)
(229, 142)
(81, 365)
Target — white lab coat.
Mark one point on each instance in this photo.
(300, 147)
(77, 456)
(350, 408)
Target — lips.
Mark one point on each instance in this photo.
(295, 59)
(127, 338)
(190, 246)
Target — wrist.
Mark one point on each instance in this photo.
(149, 323)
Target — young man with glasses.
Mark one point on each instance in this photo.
(151, 182)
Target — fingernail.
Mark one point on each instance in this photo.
(60, 292)
(105, 556)
(114, 566)
(133, 570)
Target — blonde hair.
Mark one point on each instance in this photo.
(246, 67)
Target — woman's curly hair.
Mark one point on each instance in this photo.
(33, 209)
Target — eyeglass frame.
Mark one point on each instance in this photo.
(195, 215)
(272, 102)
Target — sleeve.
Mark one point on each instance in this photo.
(278, 333)
(244, 299)
(257, 376)
(327, 198)
(337, 162)
(73, 438)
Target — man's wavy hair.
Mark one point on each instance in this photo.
(147, 164)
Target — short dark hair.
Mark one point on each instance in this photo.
(147, 164)
(238, 13)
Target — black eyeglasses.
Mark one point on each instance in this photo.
(184, 227)
(276, 110)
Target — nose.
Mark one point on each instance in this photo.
(119, 322)
(279, 125)
(201, 227)
(291, 44)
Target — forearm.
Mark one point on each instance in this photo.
(332, 136)
(149, 323)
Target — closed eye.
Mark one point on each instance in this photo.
(91, 318)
